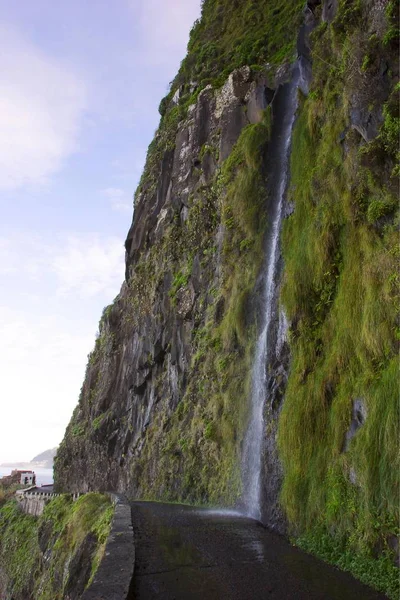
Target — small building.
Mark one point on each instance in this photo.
(24, 477)
(20, 477)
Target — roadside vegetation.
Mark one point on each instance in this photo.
(57, 553)
(341, 293)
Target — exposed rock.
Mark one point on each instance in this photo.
(365, 121)
(80, 568)
(329, 9)
(145, 362)
(358, 417)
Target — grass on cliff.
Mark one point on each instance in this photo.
(227, 36)
(65, 525)
(198, 445)
(19, 549)
(340, 291)
(201, 439)
(232, 34)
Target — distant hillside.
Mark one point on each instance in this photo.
(45, 459)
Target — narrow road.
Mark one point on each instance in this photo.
(185, 553)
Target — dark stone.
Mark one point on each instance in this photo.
(366, 122)
(329, 10)
(241, 82)
(195, 276)
(232, 122)
(80, 568)
(269, 94)
(219, 310)
(259, 97)
(208, 166)
(146, 213)
(44, 536)
(313, 4)
(358, 417)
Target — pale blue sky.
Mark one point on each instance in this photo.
(80, 85)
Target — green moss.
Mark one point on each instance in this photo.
(378, 572)
(198, 445)
(67, 524)
(78, 430)
(230, 35)
(339, 291)
(380, 208)
(97, 422)
(180, 281)
(19, 551)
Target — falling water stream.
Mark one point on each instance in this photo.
(278, 177)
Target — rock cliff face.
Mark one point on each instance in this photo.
(153, 398)
(165, 402)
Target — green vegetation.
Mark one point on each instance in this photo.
(341, 294)
(227, 36)
(180, 281)
(97, 422)
(232, 34)
(7, 492)
(198, 446)
(19, 550)
(377, 571)
(61, 531)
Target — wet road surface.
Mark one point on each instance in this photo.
(184, 553)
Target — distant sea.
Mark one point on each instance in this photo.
(43, 476)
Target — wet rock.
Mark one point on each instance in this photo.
(353, 476)
(366, 122)
(358, 417)
(329, 10)
(80, 568)
(258, 97)
(233, 120)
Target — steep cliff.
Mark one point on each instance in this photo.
(163, 407)
(165, 403)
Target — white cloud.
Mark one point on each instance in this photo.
(119, 199)
(43, 366)
(165, 27)
(55, 294)
(41, 105)
(83, 265)
(89, 265)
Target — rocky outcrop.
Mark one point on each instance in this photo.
(142, 367)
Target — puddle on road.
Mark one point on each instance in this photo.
(174, 549)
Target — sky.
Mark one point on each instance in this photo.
(80, 85)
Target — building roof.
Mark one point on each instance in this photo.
(23, 471)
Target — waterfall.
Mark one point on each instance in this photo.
(285, 105)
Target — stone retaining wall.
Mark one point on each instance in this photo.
(115, 573)
(33, 503)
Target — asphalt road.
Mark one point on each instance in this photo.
(184, 553)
